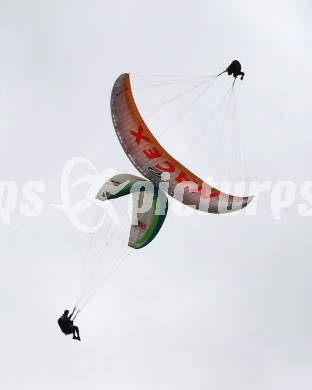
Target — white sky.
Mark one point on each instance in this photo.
(214, 302)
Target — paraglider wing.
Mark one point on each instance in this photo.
(153, 161)
(150, 205)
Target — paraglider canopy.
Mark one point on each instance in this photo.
(148, 219)
(153, 161)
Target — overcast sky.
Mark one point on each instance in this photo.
(214, 302)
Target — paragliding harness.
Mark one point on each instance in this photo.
(67, 326)
(234, 69)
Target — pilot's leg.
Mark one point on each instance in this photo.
(76, 332)
(73, 331)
